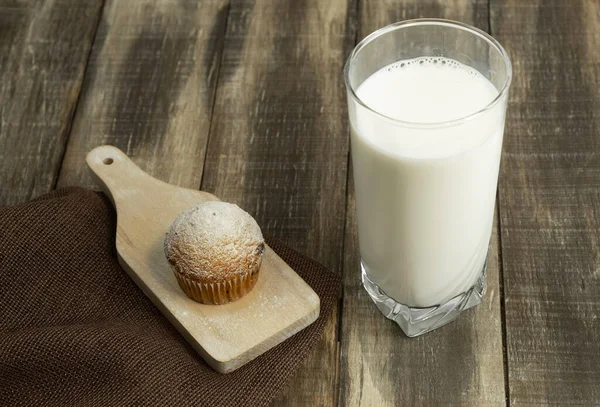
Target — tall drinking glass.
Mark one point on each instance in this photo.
(425, 172)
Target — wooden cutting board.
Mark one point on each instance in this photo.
(226, 336)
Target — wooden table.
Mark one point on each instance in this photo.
(245, 99)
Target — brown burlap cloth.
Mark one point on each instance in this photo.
(75, 330)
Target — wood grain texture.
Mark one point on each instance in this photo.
(279, 142)
(226, 336)
(458, 364)
(44, 46)
(149, 88)
(549, 201)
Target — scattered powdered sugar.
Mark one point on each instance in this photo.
(265, 305)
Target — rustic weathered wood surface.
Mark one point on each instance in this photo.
(550, 201)
(245, 99)
(44, 47)
(149, 88)
(279, 142)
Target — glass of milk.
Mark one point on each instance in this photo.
(427, 102)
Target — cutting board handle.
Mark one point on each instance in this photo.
(115, 172)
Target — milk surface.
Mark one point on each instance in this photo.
(425, 193)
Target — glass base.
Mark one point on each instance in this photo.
(417, 321)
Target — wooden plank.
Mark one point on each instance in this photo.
(44, 46)
(550, 201)
(458, 364)
(279, 142)
(227, 336)
(150, 88)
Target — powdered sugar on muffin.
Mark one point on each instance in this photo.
(214, 242)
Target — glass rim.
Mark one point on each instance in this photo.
(430, 21)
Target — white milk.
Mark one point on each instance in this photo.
(425, 194)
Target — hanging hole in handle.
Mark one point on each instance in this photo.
(108, 161)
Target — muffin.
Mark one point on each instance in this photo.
(215, 250)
